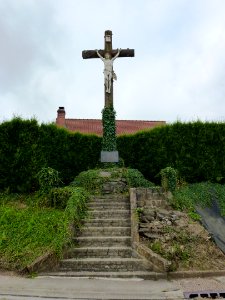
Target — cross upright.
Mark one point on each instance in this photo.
(108, 55)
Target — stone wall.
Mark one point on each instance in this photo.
(146, 199)
(151, 197)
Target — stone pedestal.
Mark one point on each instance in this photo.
(109, 156)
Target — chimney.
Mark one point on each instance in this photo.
(60, 120)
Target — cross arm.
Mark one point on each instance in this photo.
(92, 53)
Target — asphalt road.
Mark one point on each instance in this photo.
(21, 288)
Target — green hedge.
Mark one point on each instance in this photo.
(26, 147)
(195, 149)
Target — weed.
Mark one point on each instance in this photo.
(138, 212)
(48, 178)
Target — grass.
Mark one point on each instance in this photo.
(28, 231)
(188, 196)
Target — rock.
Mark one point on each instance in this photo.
(149, 212)
(144, 219)
(174, 217)
(181, 223)
(104, 174)
(169, 223)
(150, 218)
(152, 235)
(144, 225)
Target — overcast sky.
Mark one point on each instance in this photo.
(178, 72)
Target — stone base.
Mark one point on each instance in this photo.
(109, 156)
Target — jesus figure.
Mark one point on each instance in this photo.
(108, 69)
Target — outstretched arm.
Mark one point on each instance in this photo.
(117, 54)
(99, 55)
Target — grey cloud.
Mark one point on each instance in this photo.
(25, 30)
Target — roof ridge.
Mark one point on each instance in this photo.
(70, 119)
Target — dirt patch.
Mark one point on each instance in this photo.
(176, 237)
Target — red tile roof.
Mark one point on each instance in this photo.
(94, 126)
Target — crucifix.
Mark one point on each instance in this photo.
(109, 154)
(108, 55)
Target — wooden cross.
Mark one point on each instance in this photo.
(108, 55)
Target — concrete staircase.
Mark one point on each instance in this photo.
(103, 248)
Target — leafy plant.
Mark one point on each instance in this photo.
(76, 208)
(136, 179)
(48, 178)
(169, 179)
(138, 212)
(109, 129)
(90, 180)
(194, 216)
(58, 197)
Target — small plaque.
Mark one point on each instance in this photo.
(109, 156)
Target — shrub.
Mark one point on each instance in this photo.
(169, 179)
(58, 197)
(48, 178)
(76, 208)
(136, 179)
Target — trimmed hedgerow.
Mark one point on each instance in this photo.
(195, 150)
(26, 148)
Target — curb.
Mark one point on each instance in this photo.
(194, 274)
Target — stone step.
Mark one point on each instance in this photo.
(109, 214)
(106, 241)
(107, 222)
(100, 252)
(105, 231)
(148, 275)
(100, 206)
(115, 201)
(102, 264)
(110, 198)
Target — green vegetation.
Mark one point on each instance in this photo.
(47, 179)
(193, 149)
(109, 129)
(178, 250)
(136, 179)
(34, 156)
(27, 147)
(188, 196)
(28, 231)
(93, 180)
(169, 179)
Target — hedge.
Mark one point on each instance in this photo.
(195, 149)
(26, 147)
